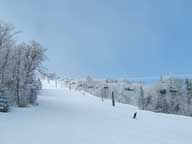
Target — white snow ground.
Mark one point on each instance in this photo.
(69, 117)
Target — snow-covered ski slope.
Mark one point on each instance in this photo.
(69, 117)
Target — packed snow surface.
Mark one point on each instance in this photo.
(70, 117)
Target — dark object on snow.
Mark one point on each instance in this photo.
(113, 99)
(90, 87)
(4, 105)
(163, 91)
(128, 89)
(172, 90)
(135, 115)
(106, 87)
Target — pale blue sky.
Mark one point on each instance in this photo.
(107, 38)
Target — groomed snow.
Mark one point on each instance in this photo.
(69, 117)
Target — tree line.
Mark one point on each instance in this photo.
(171, 94)
(19, 65)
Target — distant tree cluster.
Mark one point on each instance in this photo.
(169, 95)
(19, 64)
(124, 91)
(172, 95)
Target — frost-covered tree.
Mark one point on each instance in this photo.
(19, 64)
(171, 95)
(6, 51)
(28, 59)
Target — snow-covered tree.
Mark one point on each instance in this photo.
(19, 64)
